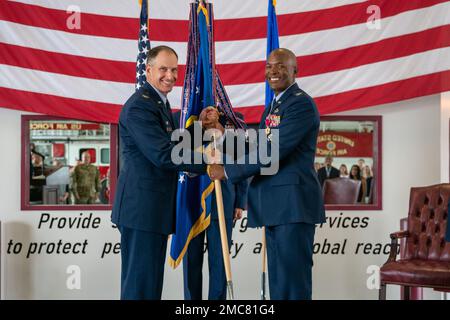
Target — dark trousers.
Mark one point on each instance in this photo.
(193, 264)
(143, 255)
(290, 261)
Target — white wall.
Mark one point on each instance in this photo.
(411, 148)
(414, 135)
(445, 145)
(445, 136)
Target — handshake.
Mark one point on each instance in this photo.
(210, 120)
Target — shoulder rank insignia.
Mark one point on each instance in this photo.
(298, 94)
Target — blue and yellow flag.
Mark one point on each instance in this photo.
(272, 41)
(194, 193)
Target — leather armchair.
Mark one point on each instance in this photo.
(426, 261)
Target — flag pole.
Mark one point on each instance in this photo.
(223, 232)
(263, 274)
(272, 43)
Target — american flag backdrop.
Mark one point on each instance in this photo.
(77, 58)
(143, 46)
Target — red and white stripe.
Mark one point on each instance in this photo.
(89, 73)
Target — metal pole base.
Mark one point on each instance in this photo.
(230, 290)
(263, 286)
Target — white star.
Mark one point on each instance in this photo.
(143, 27)
(197, 90)
(144, 38)
(145, 50)
(138, 85)
(181, 180)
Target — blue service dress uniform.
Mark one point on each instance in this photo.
(289, 203)
(145, 200)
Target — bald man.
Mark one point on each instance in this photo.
(86, 181)
(289, 203)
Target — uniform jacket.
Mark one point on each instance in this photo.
(147, 185)
(293, 194)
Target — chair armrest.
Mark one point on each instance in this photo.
(394, 244)
(399, 234)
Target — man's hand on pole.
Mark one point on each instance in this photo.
(216, 172)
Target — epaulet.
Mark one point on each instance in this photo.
(145, 94)
(297, 94)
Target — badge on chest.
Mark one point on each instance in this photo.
(272, 121)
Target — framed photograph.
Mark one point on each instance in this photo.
(67, 164)
(348, 162)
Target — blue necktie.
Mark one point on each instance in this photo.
(271, 105)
